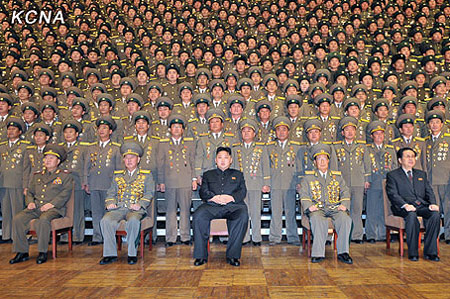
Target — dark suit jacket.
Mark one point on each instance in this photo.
(400, 191)
(230, 182)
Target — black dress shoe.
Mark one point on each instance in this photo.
(432, 257)
(94, 243)
(108, 260)
(357, 241)
(316, 259)
(257, 244)
(413, 258)
(345, 258)
(199, 262)
(245, 243)
(371, 241)
(77, 242)
(5, 241)
(42, 258)
(20, 257)
(233, 262)
(447, 242)
(169, 244)
(188, 243)
(132, 260)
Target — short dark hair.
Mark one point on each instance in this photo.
(223, 149)
(402, 150)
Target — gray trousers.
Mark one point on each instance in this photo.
(42, 225)
(319, 228)
(253, 201)
(356, 208)
(442, 193)
(375, 227)
(110, 223)
(12, 203)
(181, 197)
(283, 200)
(98, 210)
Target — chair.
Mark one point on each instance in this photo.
(218, 227)
(60, 225)
(147, 224)
(397, 223)
(306, 227)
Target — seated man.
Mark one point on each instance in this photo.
(411, 195)
(223, 190)
(46, 199)
(130, 194)
(323, 194)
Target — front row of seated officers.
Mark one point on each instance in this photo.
(276, 167)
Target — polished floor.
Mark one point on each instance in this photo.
(281, 271)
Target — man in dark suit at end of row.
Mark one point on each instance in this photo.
(411, 195)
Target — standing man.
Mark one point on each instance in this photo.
(251, 158)
(223, 191)
(324, 194)
(130, 194)
(411, 195)
(47, 196)
(176, 178)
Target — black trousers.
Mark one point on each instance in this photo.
(237, 220)
(431, 221)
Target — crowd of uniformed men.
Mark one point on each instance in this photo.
(267, 78)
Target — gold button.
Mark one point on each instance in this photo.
(45, 186)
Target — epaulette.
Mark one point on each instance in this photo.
(177, 105)
(192, 120)
(309, 172)
(420, 119)
(164, 140)
(204, 134)
(377, 90)
(419, 138)
(294, 142)
(144, 171)
(335, 117)
(63, 107)
(360, 141)
(446, 134)
(227, 119)
(115, 117)
(24, 142)
(229, 134)
(338, 142)
(326, 142)
(427, 138)
(336, 172)
(61, 143)
(389, 146)
(155, 137)
(188, 139)
(396, 139)
(85, 143)
(116, 144)
(31, 147)
(281, 98)
(124, 117)
(119, 171)
(364, 120)
(236, 144)
(85, 121)
(128, 137)
(260, 143)
(271, 143)
(155, 122)
(58, 122)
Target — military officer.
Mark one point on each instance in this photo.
(324, 194)
(160, 127)
(263, 116)
(379, 159)
(438, 164)
(199, 124)
(176, 178)
(350, 157)
(251, 158)
(11, 171)
(46, 199)
(329, 123)
(131, 192)
(284, 178)
(102, 159)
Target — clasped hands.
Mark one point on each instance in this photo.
(222, 199)
(44, 208)
(134, 207)
(411, 208)
(339, 208)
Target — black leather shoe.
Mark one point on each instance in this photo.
(357, 241)
(42, 258)
(188, 243)
(199, 262)
(20, 257)
(245, 243)
(132, 260)
(257, 244)
(93, 243)
(432, 257)
(447, 242)
(233, 262)
(8, 241)
(316, 259)
(169, 244)
(371, 241)
(345, 258)
(108, 260)
(413, 258)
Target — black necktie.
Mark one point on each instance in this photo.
(410, 177)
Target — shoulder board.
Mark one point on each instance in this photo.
(396, 139)
(144, 171)
(192, 120)
(85, 121)
(281, 98)
(309, 172)
(326, 142)
(336, 172)
(24, 142)
(295, 142)
(271, 143)
(376, 90)
(446, 134)
(58, 123)
(63, 107)
(204, 134)
(228, 119)
(61, 143)
(427, 138)
(116, 144)
(236, 144)
(85, 143)
(420, 119)
(335, 117)
(155, 122)
(164, 140)
(389, 146)
(188, 139)
(31, 147)
(3, 142)
(128, 137)
(420, 138)
(119, 171)
(155, 137)
(115, 117)
(338, 142)
(177, 105)
(229, 134)
(360, 141)
(364, 120)
(260, 143)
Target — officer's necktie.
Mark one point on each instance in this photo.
(434, 138)
(410, 177)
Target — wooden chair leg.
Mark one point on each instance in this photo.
(388, 238)
(303, 238)
(119, 243)
(208, 245)
(70, 239)
(54, 244)
(309, 243)
(400, 238)
(335, 239)
(420, 240)
(150, 235)
(142, 244)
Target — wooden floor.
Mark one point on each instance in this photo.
(282, 271)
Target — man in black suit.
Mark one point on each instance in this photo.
(411, 195)
(223, 190)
